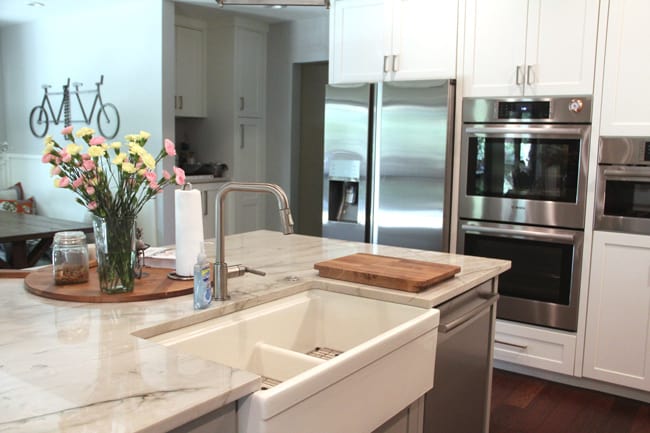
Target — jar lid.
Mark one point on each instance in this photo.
(69, 238)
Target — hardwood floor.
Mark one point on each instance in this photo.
(523, 404)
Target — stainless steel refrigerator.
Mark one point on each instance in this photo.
(387, 163)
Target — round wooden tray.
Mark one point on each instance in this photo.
(154, 284)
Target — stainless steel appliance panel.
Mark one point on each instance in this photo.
(346, 147)
(528, 174)
(412, 177)
(623, 185)
(460, 399)
(528, 110)
(542, 286)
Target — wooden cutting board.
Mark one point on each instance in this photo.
(389, 272)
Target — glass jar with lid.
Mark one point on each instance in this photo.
(70, 258)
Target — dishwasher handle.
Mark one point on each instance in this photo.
(450, 326)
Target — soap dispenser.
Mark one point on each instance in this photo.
(202, 285)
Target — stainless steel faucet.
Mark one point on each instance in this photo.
(220, 269)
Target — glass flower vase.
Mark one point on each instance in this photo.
(116, 254)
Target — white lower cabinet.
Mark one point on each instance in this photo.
(533, 346)
(617, 338)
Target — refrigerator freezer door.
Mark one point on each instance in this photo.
(412, 172)
(347, 128)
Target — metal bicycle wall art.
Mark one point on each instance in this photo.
(108, 118)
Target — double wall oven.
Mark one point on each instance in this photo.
(522, 198)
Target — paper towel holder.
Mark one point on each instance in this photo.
(173, 275)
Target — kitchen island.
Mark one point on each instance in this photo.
(77, 367)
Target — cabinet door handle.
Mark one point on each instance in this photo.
(518, 80)
(386, 69)
(175, 102)
(507, 343)
(242, 103)
(241, 136)
(180, 102)
(530, 75)
(395, 63)
(204, 202)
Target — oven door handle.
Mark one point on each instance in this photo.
(528, 130)
(520, 234)
(630, 174)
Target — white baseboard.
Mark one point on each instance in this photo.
(580, 382)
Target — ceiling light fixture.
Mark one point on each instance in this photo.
(325, 3)
(36, 4)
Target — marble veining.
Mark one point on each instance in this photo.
(78, 367)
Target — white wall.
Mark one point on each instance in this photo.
(123, 40)
(288, 44)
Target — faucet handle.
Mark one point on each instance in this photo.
(239, 270)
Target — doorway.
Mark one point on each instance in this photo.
(313, 79)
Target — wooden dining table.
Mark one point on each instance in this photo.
(16, 229)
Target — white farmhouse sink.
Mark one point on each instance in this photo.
(386, 360)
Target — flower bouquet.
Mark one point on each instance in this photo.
(113, 181)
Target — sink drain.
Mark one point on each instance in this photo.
(324, 353)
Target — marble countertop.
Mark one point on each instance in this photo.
(79, 367)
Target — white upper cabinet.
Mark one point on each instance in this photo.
(189, 98)
(534, 47)
(626, 85)
(617, 338)
(250, 79)
(391, 40)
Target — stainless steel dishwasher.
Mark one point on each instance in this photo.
(460, 399)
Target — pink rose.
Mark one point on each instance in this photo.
(90, 190)
(92, 205)
(67, 130)
(47, 158)
(55, 170)
(77, 182)
(166, 175)
(64, 182)
(88, 164)
(97, 140)
(180, 175)
(170, 147)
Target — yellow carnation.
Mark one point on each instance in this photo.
(96, 151)
(49, 140)
(73, 149)
(144, 135)
(136, 149)
(119, 158)
(85, 131)
(49, 147)
(116, 145)
(148, 160)
(128, 167)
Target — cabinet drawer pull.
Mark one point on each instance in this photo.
(395, 63)
(507, 343)
(204, 202)
(241, 136)
(386, 69)
(180, 103)
(242, 103)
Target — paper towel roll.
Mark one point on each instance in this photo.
(189, 229)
